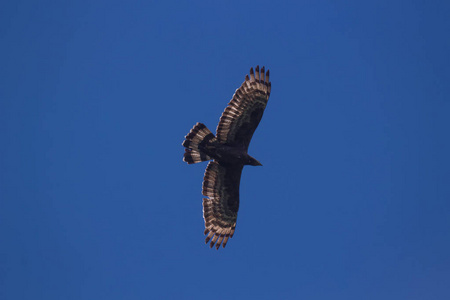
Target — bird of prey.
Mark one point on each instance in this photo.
(228, 152)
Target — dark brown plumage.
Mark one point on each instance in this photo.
(228, 150)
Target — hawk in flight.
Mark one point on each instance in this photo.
(228, 152)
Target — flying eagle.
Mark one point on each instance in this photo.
(228, 152)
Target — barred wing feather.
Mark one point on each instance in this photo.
(221, 187)
(245, 110)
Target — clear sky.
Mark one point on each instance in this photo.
(352, 201)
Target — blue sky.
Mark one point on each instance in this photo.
(352, 201)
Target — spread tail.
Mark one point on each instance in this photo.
(198, 143)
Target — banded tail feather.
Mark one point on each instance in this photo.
(199, 144)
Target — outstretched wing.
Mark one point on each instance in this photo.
(221, 187)
(242, 115)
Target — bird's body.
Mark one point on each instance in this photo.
(225, 154)
(229, 155)
(228, 150)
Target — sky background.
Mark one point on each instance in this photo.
(353, 200)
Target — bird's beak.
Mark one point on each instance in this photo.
(253, 162)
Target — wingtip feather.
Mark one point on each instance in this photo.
(257, 73)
